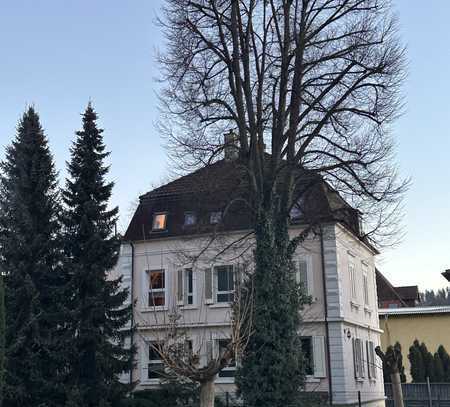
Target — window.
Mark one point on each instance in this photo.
(307, 350)
(159, 221)
(351, 270)
(366, 288)
(157, 288)
(215, 218)
(190, 219)
(155, 365)
(371, 368)
(301, 275)
(185, 289)
(296, 211)
(225, 283)
(358, 358)
(229, 370)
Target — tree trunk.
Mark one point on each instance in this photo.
(397, 389)
(207, 393)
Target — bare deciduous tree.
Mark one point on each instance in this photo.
(318, 82)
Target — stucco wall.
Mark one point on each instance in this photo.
(433, 329)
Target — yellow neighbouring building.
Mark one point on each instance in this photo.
(427, 324)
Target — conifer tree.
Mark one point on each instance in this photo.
(417, 363)
(445, 358)
(2, 337)
(97, 313)
(437, 374)
(31, 254)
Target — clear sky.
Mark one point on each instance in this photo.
(59, 54)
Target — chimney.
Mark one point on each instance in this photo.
(230, 146)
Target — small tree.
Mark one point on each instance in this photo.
(417, 364)
(427, 358)
(437, 374)
(392, 362)
(397, 351)
(97, 316)
(445, 358)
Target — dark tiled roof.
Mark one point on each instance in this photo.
(385, 290)
(223, 186)
(410, 292)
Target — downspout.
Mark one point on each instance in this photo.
(132, 311)
(327, 328)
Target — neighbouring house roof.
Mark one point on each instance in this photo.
(223, 186)
(386, 291)
(446, 275)
(414, 310)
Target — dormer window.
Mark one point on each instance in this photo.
(215, 218)
(296, 211)
(159, 221)
(190, 219)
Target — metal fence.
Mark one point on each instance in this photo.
(421, 395)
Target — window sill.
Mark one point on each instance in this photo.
(154, 309)
(312, 379)
(151, 382)
(225, 380)
(359, 380)
(367, 309)
(220, 305)
(355, 304)
(188, 307)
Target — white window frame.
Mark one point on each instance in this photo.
(194, 217)
(155, 215)
(215, 350)
(148, 289)
(147, 362)
(184, 300)
(216, 291)
(307, 259)
(317, 356)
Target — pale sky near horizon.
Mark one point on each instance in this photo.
(58, 55)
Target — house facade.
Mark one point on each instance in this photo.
(181, 254)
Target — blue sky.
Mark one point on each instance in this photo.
(59, 54)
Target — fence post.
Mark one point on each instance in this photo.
(359, 398)
(430, 401)
(227, 399)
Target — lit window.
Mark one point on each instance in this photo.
(159, 221)
(215, 218)
(155, 365)
(307, 350)
(230, 368)
(225, 283)
(157, 289)
(190, 219)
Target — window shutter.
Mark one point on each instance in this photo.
(303, 272)
(362, 369)
(180, 286)
(209, 351)
(372, 360)
(369, 362)
(319, 356)
(208, 286)
(355, 361)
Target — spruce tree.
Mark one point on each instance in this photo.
(97, 313)
(30, 255)
(2, 336)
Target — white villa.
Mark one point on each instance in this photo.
(172, 223)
